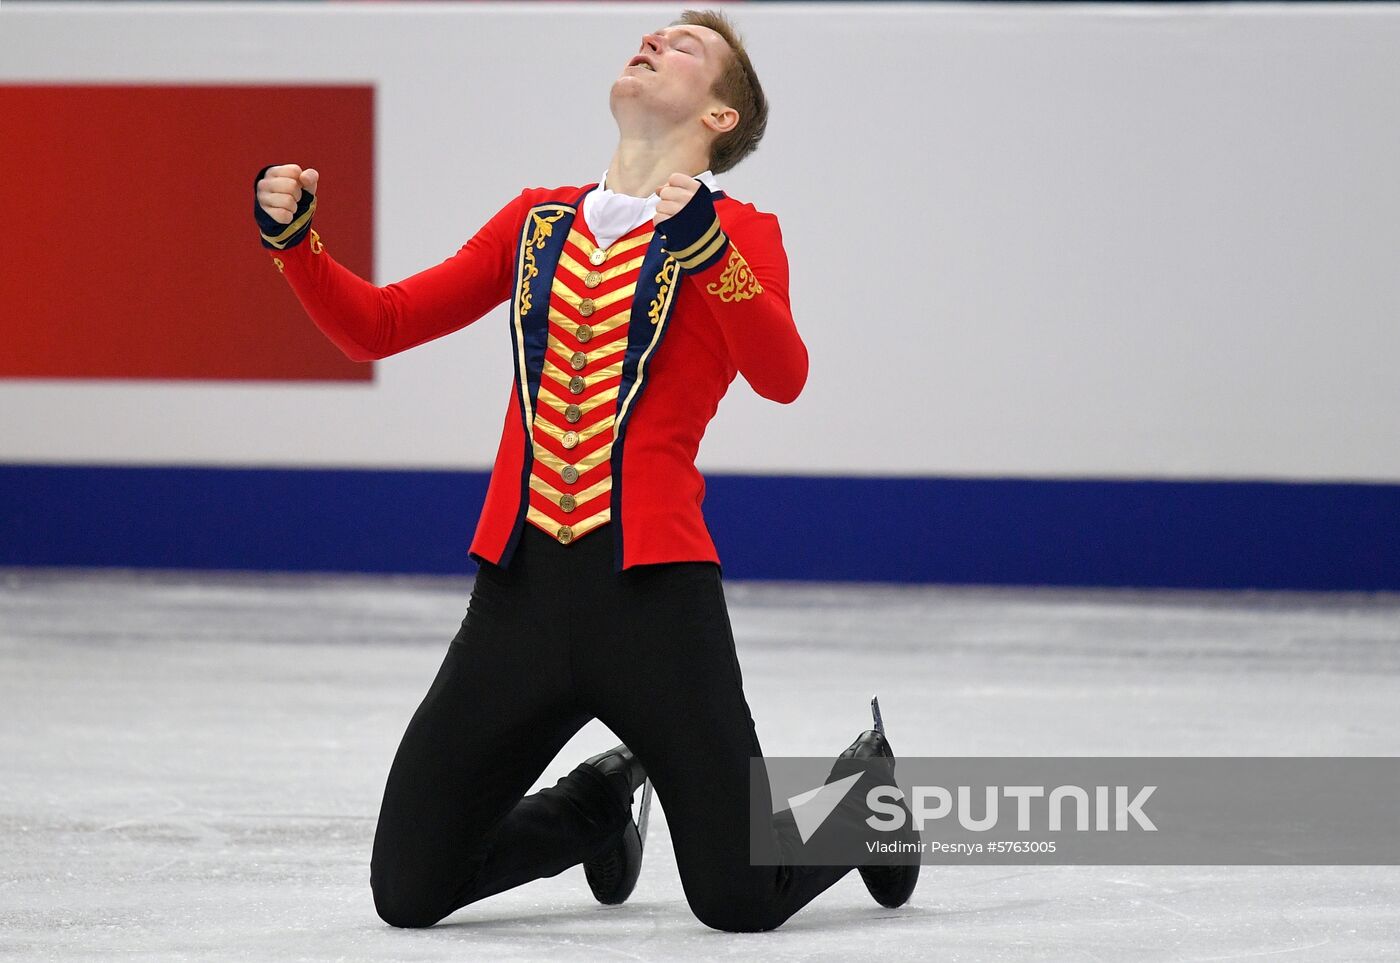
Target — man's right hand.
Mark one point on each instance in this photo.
(280, 189)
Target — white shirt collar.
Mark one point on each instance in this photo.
(704, 177)
(610, 215)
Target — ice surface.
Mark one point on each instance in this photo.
(192, 766)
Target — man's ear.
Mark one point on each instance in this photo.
(722, 119)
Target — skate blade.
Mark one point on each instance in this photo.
(644, 813)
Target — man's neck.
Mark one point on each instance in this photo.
(641, 167)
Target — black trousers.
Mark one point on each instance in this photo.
(554, 641)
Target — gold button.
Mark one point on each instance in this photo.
(576, 384)
(592, 279)
(570, 439)
(570, 474)
(567, 502)
(565, 534)
(583, 333)
(585, 307)
(577, 360)
(572, 414)
(598, 256)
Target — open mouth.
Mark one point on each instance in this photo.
(640, 61)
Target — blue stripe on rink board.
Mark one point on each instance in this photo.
(1013, 531)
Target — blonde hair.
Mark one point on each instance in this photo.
(738, 87)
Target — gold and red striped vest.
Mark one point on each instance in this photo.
(573, 430)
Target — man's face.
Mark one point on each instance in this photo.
(673, 73)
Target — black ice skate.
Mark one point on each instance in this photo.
(890, 885)
(612, 874)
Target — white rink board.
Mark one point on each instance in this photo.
(1149, 241)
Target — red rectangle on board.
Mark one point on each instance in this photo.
(130, 249)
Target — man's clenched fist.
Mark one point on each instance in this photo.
(692, 232)
(279, 191)
(675, 194)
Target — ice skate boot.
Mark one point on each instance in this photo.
(890, 885)
(612, 874)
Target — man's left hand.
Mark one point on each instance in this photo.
(675, 194)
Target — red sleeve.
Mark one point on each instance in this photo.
(746, 291)
(369, 322)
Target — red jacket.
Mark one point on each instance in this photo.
(689, 332)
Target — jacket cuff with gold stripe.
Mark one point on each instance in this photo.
(278, 236)
(693, 235)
